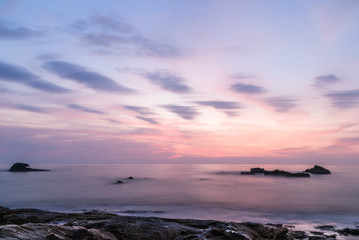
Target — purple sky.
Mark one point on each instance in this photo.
(179, 81)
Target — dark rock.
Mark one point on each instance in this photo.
(255, 171)
(349, 231)
(286, 174)
(24, 167)
(325, 227)
(103, 226)
(318, 170)
(299, 174)
(316, 233)
(130, 178)
(119, 181)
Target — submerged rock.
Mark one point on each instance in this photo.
(318, 170)
(24, 167)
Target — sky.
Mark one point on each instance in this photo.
(179, 81)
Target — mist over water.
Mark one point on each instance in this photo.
(187, 191)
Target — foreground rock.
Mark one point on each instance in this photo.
(36, 224)
(254, 171)
(318, 170)
(24, 167)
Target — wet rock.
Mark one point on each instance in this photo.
(349, 231)
(24, 167)
(18, 224)
(119, 181)
(130, 178)
(325, 227)
(318, 170)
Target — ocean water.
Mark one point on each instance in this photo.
(189, 191)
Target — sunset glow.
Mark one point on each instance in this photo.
(179, 81)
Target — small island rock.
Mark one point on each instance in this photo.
(24, 167)
(318, 170)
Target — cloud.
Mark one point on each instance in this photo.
(112, 35)
(103, 23)
(292, 150)
(185, 112)
(220, 104)
(82, 75)
(84, 109)
(344, 99)
(10, 32)
(140, 110)
(242, 76)
(247, 88)
(13, 73)
(150, 120)
(30, 108)
(348, 141)
(113, 120)
(324, 80)
(281, 104)
(168, 81)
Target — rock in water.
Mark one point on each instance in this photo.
(318, 170)
(24, 167)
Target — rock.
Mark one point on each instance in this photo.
(130, 178)
(36, 224)
(318, 170)
(119, 181)
(255, 171)
(299, 174)
(24, 167)
(349, 231)
(286, 174)
(325, 227)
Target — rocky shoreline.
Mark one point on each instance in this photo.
(37, 224)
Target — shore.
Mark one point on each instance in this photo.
(37, 224)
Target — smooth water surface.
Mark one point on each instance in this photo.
(188, 191)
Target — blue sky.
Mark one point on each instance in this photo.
(179, 81)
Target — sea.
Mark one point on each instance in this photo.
(195, 191)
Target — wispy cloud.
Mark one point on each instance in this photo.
(323, 80)
(281, 104)
(103, 23)
(185, 112)
(82, 75)
(137, 109)
(292, 150)
(344, 99)
(9, 31)
(113, 120)
(220, 104)
(84, 109)
(168, 81)
(13, 73)
(147, 119)
(242, 76)
(111, 34)
(30, 108)
(348, 141)
(247, 88)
